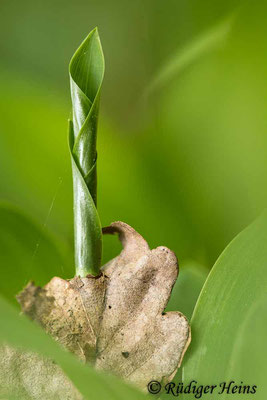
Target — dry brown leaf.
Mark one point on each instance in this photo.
(116, 321)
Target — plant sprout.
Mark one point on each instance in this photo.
(86, 75)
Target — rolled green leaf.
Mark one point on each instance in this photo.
(86, 75)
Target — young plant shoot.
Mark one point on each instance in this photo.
(86, 75)
(111, 317)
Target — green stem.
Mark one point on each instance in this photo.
(86, 76)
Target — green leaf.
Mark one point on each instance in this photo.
(225, 314)
(27, 252)
(18, 331)
(86, 75)
(187, 288)
(250, 353)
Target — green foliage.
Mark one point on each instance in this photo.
(249, 355)
(228, 325)
(201, 153)
(86, 75)
(197, 154)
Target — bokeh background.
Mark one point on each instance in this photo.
(182, 139)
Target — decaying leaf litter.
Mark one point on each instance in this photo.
(116, 320)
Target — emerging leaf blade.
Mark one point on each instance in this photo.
(86, 76)
(236, 284)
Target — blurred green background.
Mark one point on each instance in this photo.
(181, 149)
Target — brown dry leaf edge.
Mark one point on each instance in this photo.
(116, 321)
